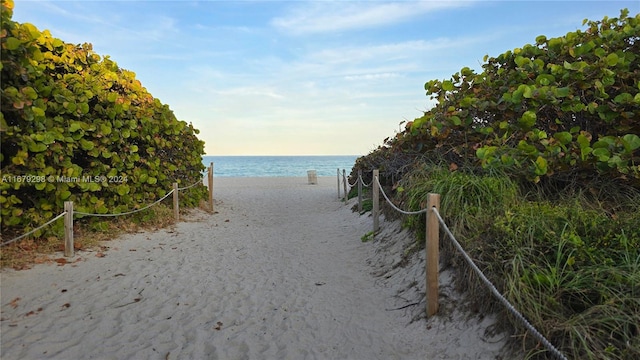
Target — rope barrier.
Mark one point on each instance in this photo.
(356, 183)
(497, 294)
(190, 186)
(125, 213)
(34, 230)
(547, 344)
(91, 214)
(393, 205)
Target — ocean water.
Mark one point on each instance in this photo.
(289, 166)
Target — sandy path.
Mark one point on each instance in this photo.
(278, 273)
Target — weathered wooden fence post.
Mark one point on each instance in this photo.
(176, 209)
(68, 229)
(344, 182)
(376, 199)
(338, 183)
(360, 190)
(210, 183)
(432, 253)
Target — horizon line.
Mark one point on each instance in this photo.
(284, 155)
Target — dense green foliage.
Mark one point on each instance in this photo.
(567, 264)
(76, 127)
(537, 160)
(566, 106)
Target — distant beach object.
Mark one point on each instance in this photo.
(312, 175)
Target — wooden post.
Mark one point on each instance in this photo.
(432, 254)
(360, 190)
(344, 182)
(68, 229)
(338, 183)
(176, 209)
(376, 199)
(210, 183)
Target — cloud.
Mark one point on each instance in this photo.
(374, 76)
(324, 17)
(251, 91)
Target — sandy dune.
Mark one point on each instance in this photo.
(279, 272)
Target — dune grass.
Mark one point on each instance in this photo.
(568, 259)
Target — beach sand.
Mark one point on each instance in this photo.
(279, 272)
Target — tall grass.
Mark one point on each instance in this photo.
(467, 200)
(569, 261)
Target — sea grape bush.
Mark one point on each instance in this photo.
(551, 130)
(562, 106)
(87, 128)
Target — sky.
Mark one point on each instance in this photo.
(270, 77)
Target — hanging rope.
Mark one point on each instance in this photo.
(190, 186)
(394, 206)
(497, 293)
(34, 230)
(125, 213)
(547, 344)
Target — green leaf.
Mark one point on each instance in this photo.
(563, 137)
(527, 148)
(528, 119)
(521, 61)
(624, 98)
(545, 79)
(455, 120)
(29, 92)
(447, 85)
(37, 112)
(34, 33)
(615, 161)
(612, 59)
(152, 180)
(48, 138)
(122, 189)
(86, 145)
(485, 152)
(602, 154)
(561, 92)
(12, 43)
(74, 127)
(65, 194)
(105, 129)
(540, 166)
(583, 141)
(37, 147)
(632, 141)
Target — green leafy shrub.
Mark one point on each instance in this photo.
(537, 160)
(562, 105)
(83, 130)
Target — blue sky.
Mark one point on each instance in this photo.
(302, 77)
